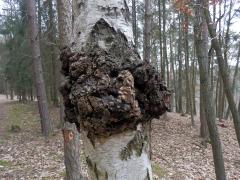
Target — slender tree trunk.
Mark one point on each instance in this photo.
(147, 53)
(160, 39)
(180, 109)
(234, 79)
(52, 44)
(37, 63)
(72, 151)
(216, 97)
(165, 57)
(224, 74)
(226, 47)
(188, 86)
(70, 132)
(193, 81)
(220, 98)
(39, 19)
(204, 133)
(6, 88)
(200, 32)
(11, 93)
(173, 69)
(239, 107)
(147, 32)
(31, 94)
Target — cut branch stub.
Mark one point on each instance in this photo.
(108, 89)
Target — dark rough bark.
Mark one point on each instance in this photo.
(110, 90)
(40, 85)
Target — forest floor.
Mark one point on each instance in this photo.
(177, 150)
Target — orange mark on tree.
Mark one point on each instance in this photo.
(67, 135)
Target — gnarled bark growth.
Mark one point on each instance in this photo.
(108, 89)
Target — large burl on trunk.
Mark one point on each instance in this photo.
(111, 94)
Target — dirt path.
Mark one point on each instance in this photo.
(3, 112)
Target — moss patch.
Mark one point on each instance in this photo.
(20, 114)
(5, 163)
(136, 144)
(158, 170)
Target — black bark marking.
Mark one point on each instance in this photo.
(96, 171)
(148, 175)
(89, 163)
(106, 175)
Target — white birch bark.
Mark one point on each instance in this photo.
(105, 161)
(106, 158)
(88, 12)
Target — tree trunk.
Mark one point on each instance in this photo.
(70, 132)
(37, 63)
(204, 133)
(72, 151)
(224, 74)
(160, 39)
(65, 32)
(6, 88)
(188, 86)
(39, 20)
(52, 44)
(11, 93)
(147, 32)
(110, 160)
(239, 107)
(201, 50)
(193, 79)
(173, 70)
(180, 109)
(234, 80)
(108, 91)
(147, 54)
(165, 57)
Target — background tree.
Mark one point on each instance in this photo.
(40, 86)
(200, 43)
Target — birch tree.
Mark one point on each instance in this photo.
(109, 92)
